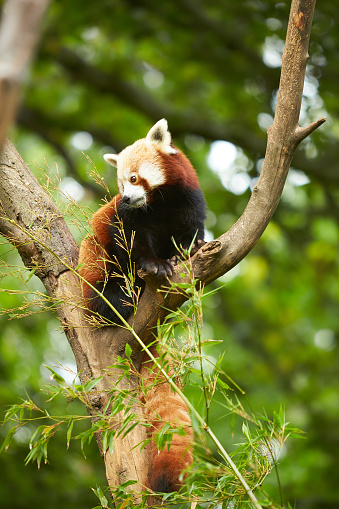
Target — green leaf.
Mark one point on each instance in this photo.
(100, 494)
(104, 440)
(164, 437)
(128, 419)
(144, 443)
(130, 429)
(69, 432)
(111, 441)
(78, 387)
(126, 503)
(31, 274)
(55, 376)
(92, 383)
(8, 439)
(118, 404)
(128, 351)
(127, 483)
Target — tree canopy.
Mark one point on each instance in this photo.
(104, 74)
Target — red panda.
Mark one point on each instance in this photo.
(159, 206)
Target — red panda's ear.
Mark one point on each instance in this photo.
(160, 135)
(111, 159)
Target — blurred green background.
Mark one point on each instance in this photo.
(105, 72)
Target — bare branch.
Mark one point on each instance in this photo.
(302, 132)
(281, 144)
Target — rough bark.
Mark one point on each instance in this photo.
(34, 225)
(30, 220)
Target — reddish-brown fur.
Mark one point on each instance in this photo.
(179, 170)
(94, 268)
(102, 218)
(163, 405)
(93, 255)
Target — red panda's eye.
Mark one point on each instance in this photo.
(133, 179)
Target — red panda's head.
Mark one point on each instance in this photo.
(150, 163)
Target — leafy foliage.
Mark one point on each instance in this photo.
(211, 481)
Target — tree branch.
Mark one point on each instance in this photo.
(302, 132)
(31, 222)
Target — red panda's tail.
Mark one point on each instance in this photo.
(163, 405)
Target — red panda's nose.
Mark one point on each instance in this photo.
(126, 199)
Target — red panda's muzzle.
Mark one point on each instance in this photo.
(135, 203)
(134, 196)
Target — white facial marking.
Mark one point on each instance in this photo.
(153, 174)
(136, 194)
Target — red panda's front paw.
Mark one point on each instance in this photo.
(161, 268)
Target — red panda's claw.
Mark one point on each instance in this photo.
(155, 266)
(150, 267)
(165, 268)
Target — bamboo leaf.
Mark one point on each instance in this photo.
(92, 383)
